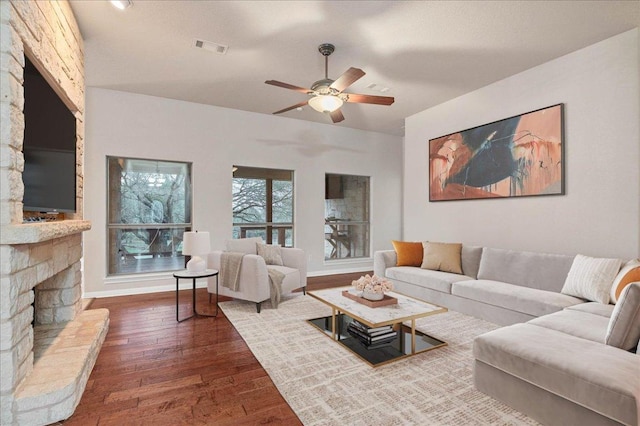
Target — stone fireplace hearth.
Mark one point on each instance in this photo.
(45, 366)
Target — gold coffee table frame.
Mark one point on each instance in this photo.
(407, 309)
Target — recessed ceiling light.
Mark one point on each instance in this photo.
(121, 4)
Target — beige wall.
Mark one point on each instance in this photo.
(600, 213)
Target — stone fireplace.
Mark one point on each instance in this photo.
(45, 365)
(48, 343)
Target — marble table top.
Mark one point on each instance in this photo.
(406, 309)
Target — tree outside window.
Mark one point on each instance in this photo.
(263, 204)
(149, 208)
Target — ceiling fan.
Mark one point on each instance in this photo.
(328, 95)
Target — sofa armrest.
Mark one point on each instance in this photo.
(252, 261)
(295, 258)
(253, 282)
(383, 259)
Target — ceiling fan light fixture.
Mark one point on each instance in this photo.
(121, 4)
(325, 103)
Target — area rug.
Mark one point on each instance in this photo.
(325, 384)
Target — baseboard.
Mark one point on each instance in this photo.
(338, 271)
(140, 290)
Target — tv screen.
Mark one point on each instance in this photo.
(49, 175)
(49, 148)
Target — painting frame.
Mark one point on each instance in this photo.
(517, 156)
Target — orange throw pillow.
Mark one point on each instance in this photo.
(629, 273)
(409, 254)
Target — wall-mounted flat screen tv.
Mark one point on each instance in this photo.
(49, 147)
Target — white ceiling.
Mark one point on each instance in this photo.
(426, 52)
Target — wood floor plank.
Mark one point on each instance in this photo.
(154, 370)
(152, 389)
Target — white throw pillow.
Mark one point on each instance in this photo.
(624, 326)
(244, 245)
(591, 278)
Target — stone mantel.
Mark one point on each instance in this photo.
(37, 232)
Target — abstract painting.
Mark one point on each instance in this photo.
(519, 156)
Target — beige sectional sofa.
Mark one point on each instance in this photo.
(502, 286)
(551, 361)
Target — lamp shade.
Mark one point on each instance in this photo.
(195, 244)
(325, 103)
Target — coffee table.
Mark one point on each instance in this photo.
(408, 341)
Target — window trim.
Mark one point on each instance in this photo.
(114, 277)
(268, 175)
(365, 223)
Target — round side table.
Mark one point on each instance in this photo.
(186, 274)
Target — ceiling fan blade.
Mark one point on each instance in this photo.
(336, 116)
(349, 77)
(299, 105)
(288, 86)
(370, 99)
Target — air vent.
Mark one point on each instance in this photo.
(220, 49)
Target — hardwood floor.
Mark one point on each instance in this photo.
(154, 370)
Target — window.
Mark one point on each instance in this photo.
(346, 206)
(263, 204)
(149, 208)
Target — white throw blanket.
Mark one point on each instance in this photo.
(230, 263)
(275, 286)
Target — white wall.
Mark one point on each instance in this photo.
(214, 139)
(600, 213)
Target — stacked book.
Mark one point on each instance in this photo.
(372, 337)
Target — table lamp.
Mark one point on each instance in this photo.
(195, 244)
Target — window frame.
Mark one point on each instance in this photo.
(269, 226)
(333, 224)
(187, 226)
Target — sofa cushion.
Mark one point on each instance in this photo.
(593, 308)
(471, 260)
(244, 245)
(536, 270)
(434, 280)
(576, 323)
(624, 326)
(514, 297)
(591, 278)
(588, 373)
(407, 253)
(630, 272)
(444, 257)
(291, 279)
